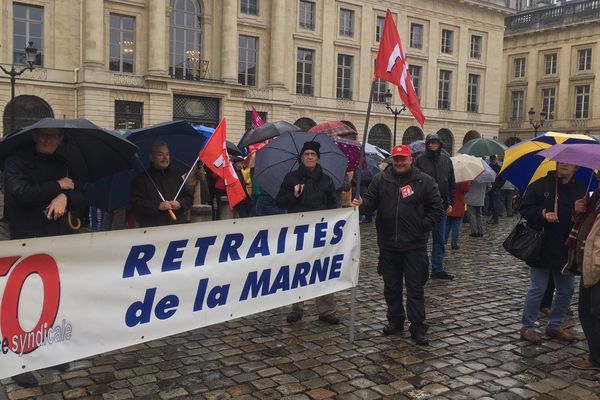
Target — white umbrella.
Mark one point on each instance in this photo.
(466, 167)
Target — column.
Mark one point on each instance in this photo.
(278, 38)
(229, 48)
(157, 37)
(94, 34)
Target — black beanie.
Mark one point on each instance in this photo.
(312, 145)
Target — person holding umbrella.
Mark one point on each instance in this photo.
(309, 189)
(159, 196)
(41, 199)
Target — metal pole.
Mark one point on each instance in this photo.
(395, 122)
(13, 79)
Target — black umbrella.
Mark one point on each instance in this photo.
(266, 131)
(281, 156)
(232, 149)
(93, 151)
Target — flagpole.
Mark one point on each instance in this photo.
(171, 213)
(185, 178)
(358, 177)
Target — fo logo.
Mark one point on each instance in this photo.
(18, 270)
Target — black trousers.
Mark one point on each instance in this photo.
(396, 268)
(589, 316)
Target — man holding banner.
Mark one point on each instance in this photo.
(309, 189)
(408, 205)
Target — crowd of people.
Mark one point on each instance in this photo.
(414, 199)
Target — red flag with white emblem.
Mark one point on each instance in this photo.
(214, 155)
(391, 66)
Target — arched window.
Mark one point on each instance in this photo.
(185, 49)
(305, 123)
(412, 134)
(381, 136)
(512, 141)
(447, 140)
(470, 136)
(27, 110)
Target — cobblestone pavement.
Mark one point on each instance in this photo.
(475, 351)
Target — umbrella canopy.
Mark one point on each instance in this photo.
(351, 149)
(466, 167)
(523, 165)
(281, 156)
(207, 132)
(372, 149)
(583, 155)
(265, 132)
(333, 128)
(94, 151)
(481, 147)
(417, 147)
(488, 175)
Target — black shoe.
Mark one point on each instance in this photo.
(455, 247)
(294, 316)
(493, 221)
(420, 339)
(442, 275)
(480, 235)
(26, 380)
(331, 319)
(474, 234)
(61, 367)
(392, 329)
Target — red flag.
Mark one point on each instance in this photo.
(391, 66)
(256, 119)
(214, 155)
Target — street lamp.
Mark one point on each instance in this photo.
(395, 111)
(536, 124)
(30, 54)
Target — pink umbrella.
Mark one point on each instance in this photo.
(351, 149)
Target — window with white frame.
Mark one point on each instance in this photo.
(185, 47)
(416, 71)
(476, 46)
(445, 84)
(519, 67)
(344, 76)
(249, 7)
(548, 101)
(416, 36)
(380, 91)
(28, 26)
(306, 19)
(346, 22)
(247, 60)
(447, 41)
(379, 28)
(473, 93)
(584, 59)
(122, 43)
(304, 71)
(582, 101)
(550, 61)
(517, 104)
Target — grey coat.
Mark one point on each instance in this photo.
(475, 197)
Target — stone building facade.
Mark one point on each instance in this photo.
(552, 59)
(133, 63)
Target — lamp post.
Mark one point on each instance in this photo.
(536, 124)
(30, 54)
(395, 111)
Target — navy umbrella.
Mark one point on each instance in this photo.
(281, 156)
(184, 144)
(93, 151)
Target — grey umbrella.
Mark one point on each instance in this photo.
(481, 147)
(266, 131)
(281, 156)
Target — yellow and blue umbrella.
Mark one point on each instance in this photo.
(523, 166)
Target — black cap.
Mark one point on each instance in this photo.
(312, 145)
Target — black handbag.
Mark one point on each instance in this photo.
(525, 242)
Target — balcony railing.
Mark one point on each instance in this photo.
(195, 70)
(575, 11)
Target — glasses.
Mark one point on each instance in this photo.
(309, 154)
(49, 136)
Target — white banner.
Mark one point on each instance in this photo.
(68, 297)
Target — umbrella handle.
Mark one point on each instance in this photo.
(172, 214)
(76, 226)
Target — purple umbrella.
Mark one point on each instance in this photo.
(583, 155)
(488, 175)
(417, 147)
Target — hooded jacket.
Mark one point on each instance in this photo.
(439, 166)
(408, 207)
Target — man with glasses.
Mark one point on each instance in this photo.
(409, 206)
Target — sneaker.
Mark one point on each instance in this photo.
(420, 339)
(585, 364)
(26, 380)
(331, 319)
(294, 316)
(531, 336)
(560, 334)
(392, 329)
(442, 275)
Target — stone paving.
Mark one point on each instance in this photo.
(475, 351)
